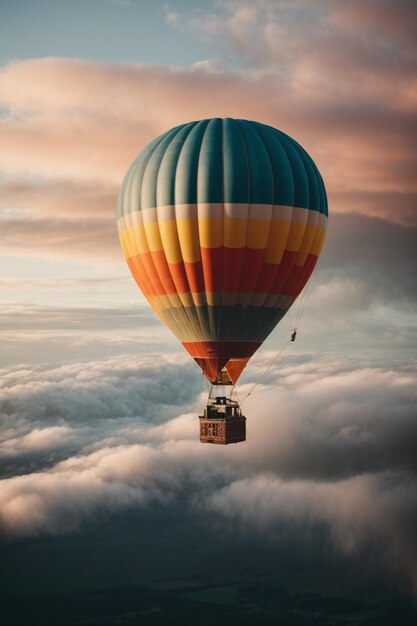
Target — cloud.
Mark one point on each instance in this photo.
(76, 136)
(70, 318)
(39, 440)
(150, 388)
(364, 513)
(334, 417)
(57, 501)
(66, 199)
(374, 253)
(330, 450)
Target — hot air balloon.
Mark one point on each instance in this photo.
(221, 222)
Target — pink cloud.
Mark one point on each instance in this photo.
(90, 129)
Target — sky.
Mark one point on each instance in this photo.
(98, 401)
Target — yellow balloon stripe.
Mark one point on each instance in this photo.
(181, 240)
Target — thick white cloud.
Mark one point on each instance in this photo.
(150, 388)
(38, 440)
(330, 446)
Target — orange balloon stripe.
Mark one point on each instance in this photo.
(157, 265)
(195, 277)
(138, 270)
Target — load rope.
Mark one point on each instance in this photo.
(304, 299)
(266, 371)
(303, 303)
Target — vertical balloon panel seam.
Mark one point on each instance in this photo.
(274, 197)
(295, 283)
(145, 234)
(298, 287)
(321, 186)
(198, 230)
(220, 149)
(247, 308)
(183, 330)
(311, 176)
(270, 312)
(193, 310)
(183, 326)
(201, 311)
(176, 155)
(210, 311)
(251, 302)
(285, 143)
(278, 139)
(247, 215)
(232, 331)
(208, 332)
(227, 330)
(139, 165)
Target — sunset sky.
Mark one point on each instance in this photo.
(99, 401)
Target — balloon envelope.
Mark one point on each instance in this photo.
(221, 222)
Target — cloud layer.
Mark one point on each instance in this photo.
(336, 453)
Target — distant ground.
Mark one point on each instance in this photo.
(143, 568)
(239, 603)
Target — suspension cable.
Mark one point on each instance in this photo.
(266, 371)
(290, 320)
(304, 299)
